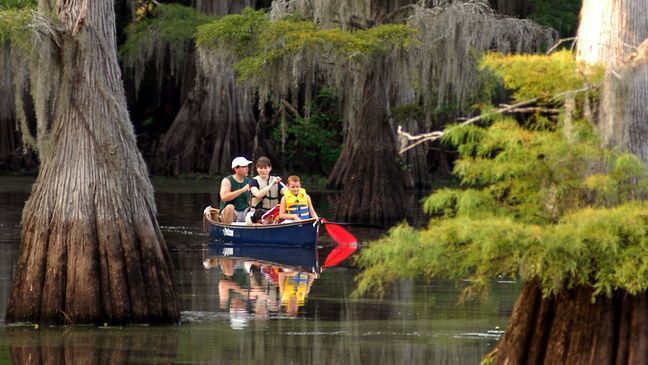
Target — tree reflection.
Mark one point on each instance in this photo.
(79, 345)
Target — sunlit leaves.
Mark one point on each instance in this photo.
(538, 76)
(15, 27)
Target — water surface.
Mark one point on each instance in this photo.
(234, 310)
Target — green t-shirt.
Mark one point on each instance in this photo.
(241, 201)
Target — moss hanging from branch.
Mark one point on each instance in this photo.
(346, 14)
(165, 36)
(15, 47)
(278, 57)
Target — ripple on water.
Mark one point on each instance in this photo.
(185, 231)
(491, 334)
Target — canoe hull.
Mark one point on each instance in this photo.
(303, 258)
(303, 233)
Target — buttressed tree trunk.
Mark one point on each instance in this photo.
(569, 328)
(369, 169)
(91, 249)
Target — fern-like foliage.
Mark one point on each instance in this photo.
(543, 203)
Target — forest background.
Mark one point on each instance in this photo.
(184, 129)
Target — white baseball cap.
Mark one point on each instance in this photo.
(240, 161)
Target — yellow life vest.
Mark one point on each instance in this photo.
(297, 204)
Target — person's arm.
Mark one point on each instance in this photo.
(226, 193)
(260, 193)
(282, 210)
(311, 210)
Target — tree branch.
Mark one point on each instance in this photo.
(406, 138)
(291, 108)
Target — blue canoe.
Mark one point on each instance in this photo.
(302, 233)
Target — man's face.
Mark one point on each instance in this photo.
(241, 170)
(294, 187)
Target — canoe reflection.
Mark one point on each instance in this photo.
(261, 282)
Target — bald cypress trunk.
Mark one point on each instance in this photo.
(569, 328)
(369, 169)
(91, 249)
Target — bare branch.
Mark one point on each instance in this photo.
(534, 109)
(553, 48)
(291, 108)
(406, 138)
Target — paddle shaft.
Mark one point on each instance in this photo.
(365, 225)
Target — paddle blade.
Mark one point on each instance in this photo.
(339, 254)
(340, 235)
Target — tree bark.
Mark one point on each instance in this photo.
(570, 328)
(91, 249)
(615, 33)
(369, 170)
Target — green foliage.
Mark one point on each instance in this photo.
(313, 143)
(239, 33)
(540, 203)
(15, 27)
(17, 4)
(538, 76)
(256, 42)
(561, 15)
(171, 23)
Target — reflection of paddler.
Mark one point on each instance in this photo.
(296, 286)
(293, 288)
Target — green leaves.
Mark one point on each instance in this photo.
(15, 27)
(543, 203)
(170, 23)
(538, 76)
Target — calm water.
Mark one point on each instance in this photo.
(244, 311)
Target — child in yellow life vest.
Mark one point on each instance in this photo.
(296, 205)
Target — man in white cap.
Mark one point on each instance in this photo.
(235, 192)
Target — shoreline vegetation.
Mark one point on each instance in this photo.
(199, 183)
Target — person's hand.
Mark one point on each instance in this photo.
(277, 180)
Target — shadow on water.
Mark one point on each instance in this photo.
(255, 307)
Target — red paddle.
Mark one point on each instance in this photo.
(340, 235)
(339, 254)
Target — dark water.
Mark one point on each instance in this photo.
(237, 311)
